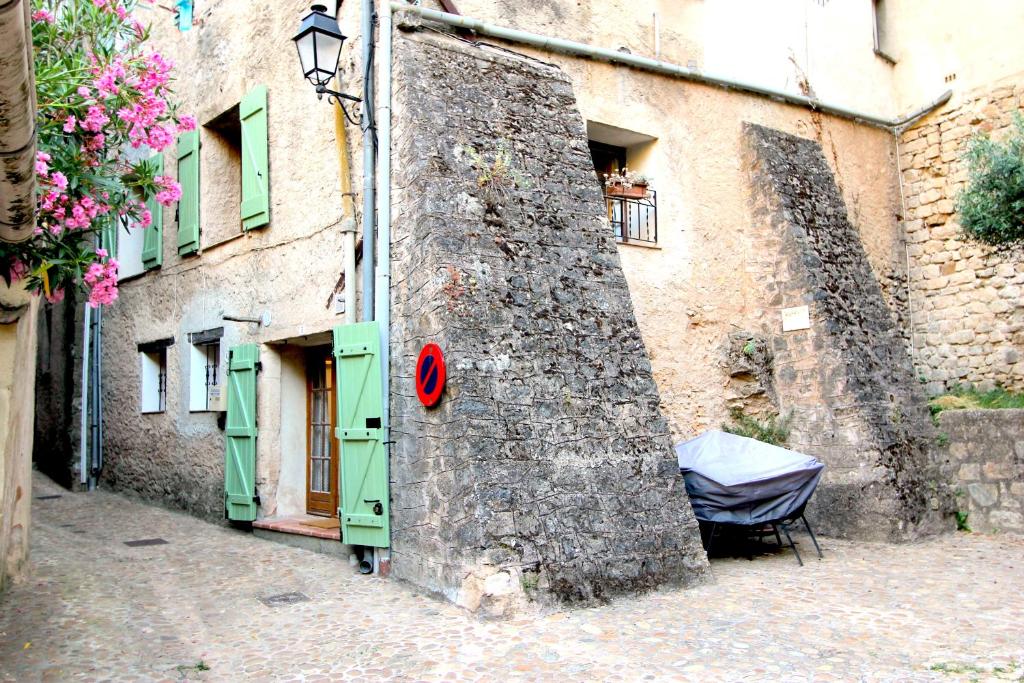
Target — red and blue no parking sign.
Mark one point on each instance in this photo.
(430, 375)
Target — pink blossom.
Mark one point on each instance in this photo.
(100, 3)
(59, 180)
(159, 138)
(95, 119)
(145, 218)
(18, 270)
(84, 91)
(101, 278)
(69, 125)
(43, 15)
(170, 192)
(56, 296)
(41, 166)
(186, 123)
(95, 143)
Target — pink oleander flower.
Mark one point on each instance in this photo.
(59, 181)
(95, 119)
(18, 270)
(159, 138)
(170, 190)
(44, 16)
(145, 218)
(100, 3)
(101, 278)
(186, 123)
(69, 125)
(56, 296)
(84, 91)
(42, 168)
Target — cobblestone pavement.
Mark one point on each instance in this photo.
(95, 609)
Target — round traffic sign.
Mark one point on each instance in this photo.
(430, 375)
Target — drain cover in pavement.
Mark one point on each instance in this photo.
(50, 497)
(144, 542)
(284, 599)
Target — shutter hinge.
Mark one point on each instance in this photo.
(256, 499)
(259, 366)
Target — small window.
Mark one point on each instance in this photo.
(154, 380)
(880, 22)
(129, 250)
(632, 208)
(205, 374)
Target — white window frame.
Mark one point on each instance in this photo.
(205, 370)
(154, 380)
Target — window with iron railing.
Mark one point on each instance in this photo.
(633, 215)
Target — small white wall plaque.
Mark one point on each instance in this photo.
(796, 318)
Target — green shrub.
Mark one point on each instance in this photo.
(772, 429)
(992, 206)
(966, 398)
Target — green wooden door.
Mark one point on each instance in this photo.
(365, 507)
(240, 434)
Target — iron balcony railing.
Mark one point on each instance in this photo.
(634, 219)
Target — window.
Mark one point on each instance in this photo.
(632, 211)
(205, 375)
(153, 356)
(880, 20)
(129, 250)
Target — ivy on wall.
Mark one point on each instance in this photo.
(992, 205)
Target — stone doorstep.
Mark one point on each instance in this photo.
(293, 525)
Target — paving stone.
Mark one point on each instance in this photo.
(948, 608)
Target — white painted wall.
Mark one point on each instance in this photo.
(151, 381)
(291, 493)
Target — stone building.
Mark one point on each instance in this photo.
(782, 265)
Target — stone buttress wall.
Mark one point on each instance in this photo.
(848, 379)
(966, 298)
(987, 448)
(548, 468)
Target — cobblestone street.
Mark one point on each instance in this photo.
(96, 609)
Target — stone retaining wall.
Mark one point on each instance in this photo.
(986, 448)
(966, 303)
(547, 470)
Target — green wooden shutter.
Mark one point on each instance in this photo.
(365, 506)
(108, 235)
(188, 205)
(153, 237)
(255, 162)
(240, 434)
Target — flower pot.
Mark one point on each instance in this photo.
(636, 191)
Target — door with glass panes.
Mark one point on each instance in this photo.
(321, 444)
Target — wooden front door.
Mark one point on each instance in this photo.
(321, 444)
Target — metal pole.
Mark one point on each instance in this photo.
(83, 425)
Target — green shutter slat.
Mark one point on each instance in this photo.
(364, 474)
(240, 434)
(108, 236)
(252, 111)
(188, 205)
(153, 237)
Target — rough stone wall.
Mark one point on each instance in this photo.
(548, 469)
(848, 379)
(966, 298)
(987, 449)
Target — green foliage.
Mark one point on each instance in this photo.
(992, 206)
(942, 440)
(497, 176)
(961, 521)
(967, 398)
(771, 429)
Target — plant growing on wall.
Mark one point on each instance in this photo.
(771, 429)
(100, 94)
(992, 206)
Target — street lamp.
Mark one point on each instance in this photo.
(319, 42)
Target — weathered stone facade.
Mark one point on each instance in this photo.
(848, 379)
(986, 450)
(966, 302)
(548, 468)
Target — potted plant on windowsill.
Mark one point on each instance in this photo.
(626, 183)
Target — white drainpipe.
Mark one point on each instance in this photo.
(382, 290)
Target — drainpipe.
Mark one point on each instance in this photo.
(657, 66)
(83, 455)
(382, 299)
(369, 155)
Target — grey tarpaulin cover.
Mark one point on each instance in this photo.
(735, 480)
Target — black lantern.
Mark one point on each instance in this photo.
(319, 42)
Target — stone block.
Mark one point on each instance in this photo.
(985, 495)
(969, 471)
(1006, 520)
(994, 471)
